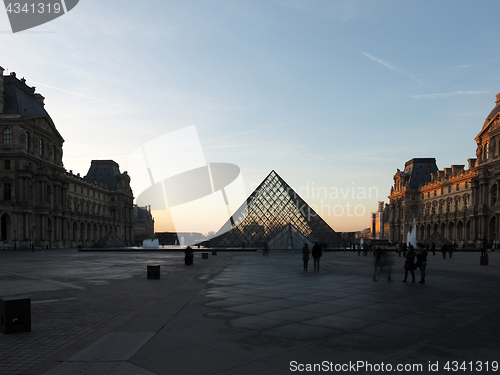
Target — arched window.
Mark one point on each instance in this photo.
(54, 152)
(41, 147)
(7, 137)
(486, 150)
(493, 194)
(27, 140)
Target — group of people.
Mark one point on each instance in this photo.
(316, 254)
(415, 259)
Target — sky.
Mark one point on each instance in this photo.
(334, 96)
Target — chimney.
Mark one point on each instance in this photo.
(1, 89)
(472, 163)
(498, 99)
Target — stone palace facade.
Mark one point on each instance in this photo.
(41, 202)
(460, 204)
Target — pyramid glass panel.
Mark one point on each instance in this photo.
(270, 211)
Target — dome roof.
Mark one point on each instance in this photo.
(493, 113)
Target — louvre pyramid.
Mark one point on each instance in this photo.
(110, 240)
(275, 214)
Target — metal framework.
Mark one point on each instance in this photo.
(276, 215)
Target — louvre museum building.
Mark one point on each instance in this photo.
(460, 203)
(40, 202)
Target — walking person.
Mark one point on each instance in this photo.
(444, 249)
(316, 253)
(433, 248)
(410, 263)
(305, 255)
(484, 246)
(422, 263)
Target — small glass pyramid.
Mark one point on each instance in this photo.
(276, 215)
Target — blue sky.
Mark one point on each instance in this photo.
(331, 94)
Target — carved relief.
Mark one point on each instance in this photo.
(479, 153)
(493, 147)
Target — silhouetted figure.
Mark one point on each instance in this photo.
(383, 263)
(433, 248)
(365, 249)
(410, 263)
(305, 255)
(403, 248)
(188, 259)
(444, 249)
(450, 250)
(316, 252)
(265, 249)
(484, 246)
(422, 261)
(243, 246)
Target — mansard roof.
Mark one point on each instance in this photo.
(419, 171)
(21, 99)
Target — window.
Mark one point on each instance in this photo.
(449, 189)
(435, 192)
(54, 153)
(413, 197)
(7, 191)
(486, 151)
(458, 187)
(7, 137)
(442, 191)
(41, 147)
(27, 140)
(88, 193)
(423, 196)
(428, 194)
(7, 165)
(74, 188)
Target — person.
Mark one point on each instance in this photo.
(383, 262)
(266, 249)
(433, 248)
(444, 249)
(188, 259)
(316, 253)
(484, 246)
(422, 261)
(378, 256)
(305, 255)
(404, 248)
(410, 263)
(450, 250)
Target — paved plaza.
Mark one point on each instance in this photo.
(244, 313)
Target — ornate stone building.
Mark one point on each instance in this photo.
(144, 224)
(461, 204)
(42, 203)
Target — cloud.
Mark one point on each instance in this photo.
(448, 94)
(391, 67)
(466, 66)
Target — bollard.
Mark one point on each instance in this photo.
(204, 255)
(15, 315)
(154, 271)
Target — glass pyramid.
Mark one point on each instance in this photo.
(275, 214)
